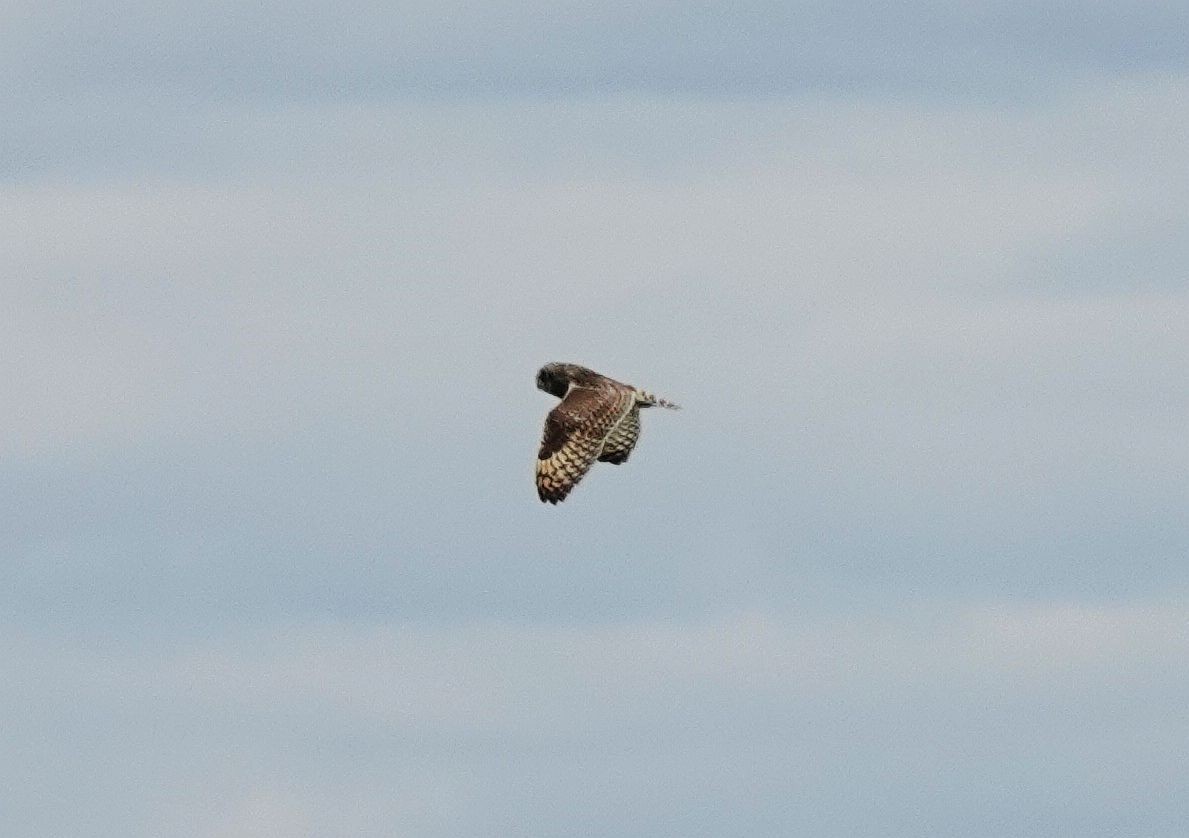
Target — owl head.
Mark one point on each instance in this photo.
(554, 379)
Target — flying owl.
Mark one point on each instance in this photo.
(598, 419)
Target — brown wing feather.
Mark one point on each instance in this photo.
(575, 431)
(622, 439)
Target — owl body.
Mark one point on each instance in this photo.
(598, 420)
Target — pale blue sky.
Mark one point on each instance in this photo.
(912, 561)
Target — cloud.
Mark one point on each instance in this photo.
(910, 562)
(257, 393)
(773, 722)
(286, 50)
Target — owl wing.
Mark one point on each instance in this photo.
(575, 431)
(622, 439)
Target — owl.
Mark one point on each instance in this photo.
(598, 419)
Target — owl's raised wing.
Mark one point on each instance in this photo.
(622, 439)
(575, 431)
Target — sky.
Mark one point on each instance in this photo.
(277, 281)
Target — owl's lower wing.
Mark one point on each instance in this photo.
(575, 431)
(560, 471)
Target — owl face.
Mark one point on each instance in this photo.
(552, 378)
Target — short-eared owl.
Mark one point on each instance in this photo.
(598, 419)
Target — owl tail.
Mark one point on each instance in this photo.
(646, 399)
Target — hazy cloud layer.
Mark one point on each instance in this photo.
(988, 721)
(284, 50)
(912, 560)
